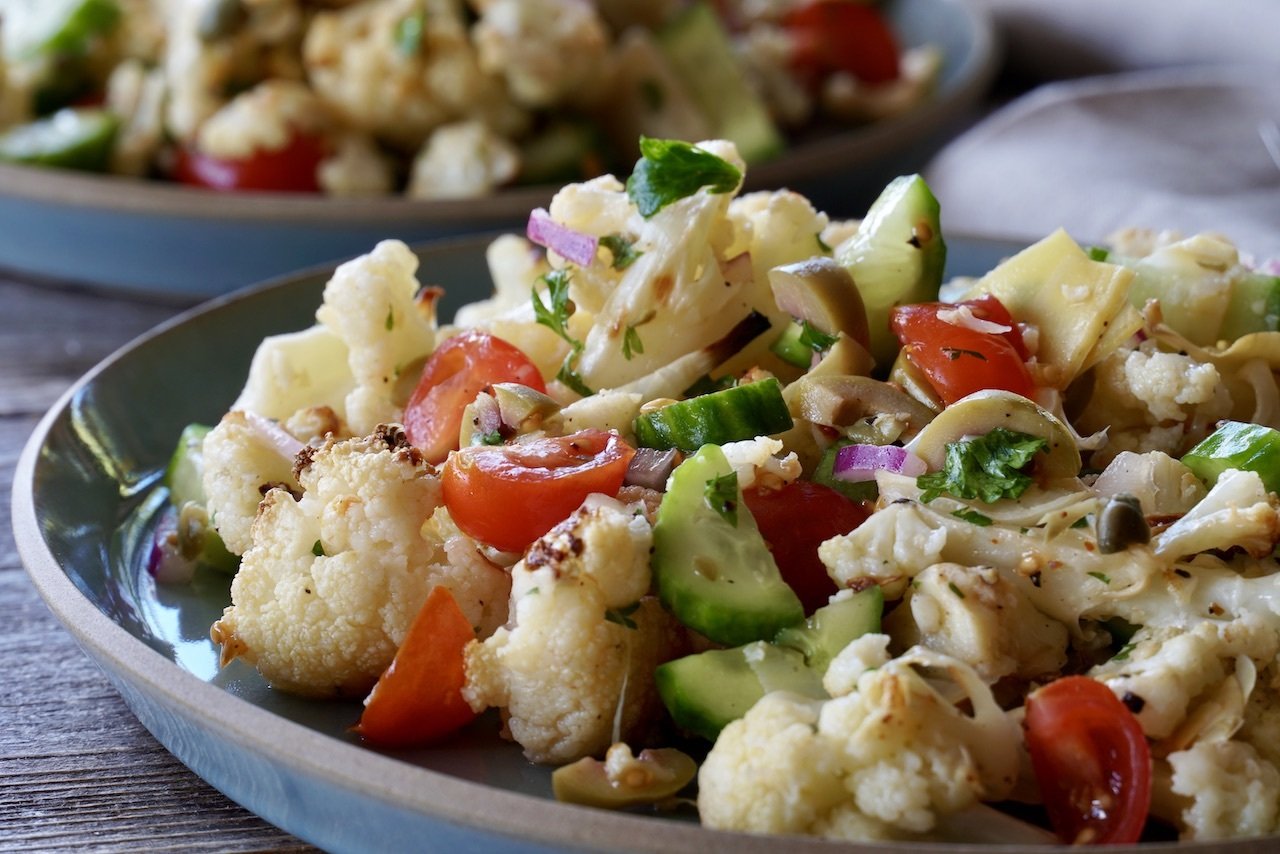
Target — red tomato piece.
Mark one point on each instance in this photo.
(958, 360)
(836, 35)
(292, 169)
(509, 495)
(418, 699)
(459, 369)
(794, 521)
(1091, 760)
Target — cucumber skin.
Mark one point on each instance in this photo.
(732, 415)
(832, 627)
(747, 600)
(89, 152)
(1237, 445)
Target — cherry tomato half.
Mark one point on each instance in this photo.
(794, 521)
(958, 360)
(836, 35)
(459, 369)
(418, 699)
(1091, 760)
(509, 495)
(292, 169)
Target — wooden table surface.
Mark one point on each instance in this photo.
(77, 770)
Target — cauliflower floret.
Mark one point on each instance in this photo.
(756, 462)
(882, 762)
(398, 91)
(240, 466)
(1233, 791)
(297, 370)
(1238, 512)
(547, 50)
(136, 95)
(1168, 382)
(584, 638)
(463, 160)
(264, 118)
(334, 579)
(862, 654)
(1163, 485)
(979, 615)
(356, 167)
(370, 303)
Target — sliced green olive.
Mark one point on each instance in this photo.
(522, 408)
(1121, 523)
(623, 780)
(822, 293)
(840, 401)
(983, 411)
(908, 377)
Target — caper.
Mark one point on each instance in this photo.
(220, 19)
(1121, 524)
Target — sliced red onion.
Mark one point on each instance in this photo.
(651, 468)
(273, 435)
(166, 563)
(487, 414)
(861, 462)
(575, 246)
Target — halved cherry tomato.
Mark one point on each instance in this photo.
(459, 369)
(509, 495)
(418, 699)
(958, 360)
(1091, 760)
(292, 169)
(837, 35)
(794, 521)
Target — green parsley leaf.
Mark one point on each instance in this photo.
(631, 343)
(722, 495)
(814, 338)
(622, 616)
(391, 319)
(409, 32)
(317, 548)
(1101, 576)
(493, 437)
(670, 170)
(706, 385)
(623, 251)
(572, 378)
(1082, 522)
(986, 467)
(1123, 654)
(954, 589)
(556, 313)
(973, 516)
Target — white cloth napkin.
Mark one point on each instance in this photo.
(1182, 149)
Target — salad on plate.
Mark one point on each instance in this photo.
(719, 501)
(431, 98)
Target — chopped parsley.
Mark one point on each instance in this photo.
(955, 590)
(631, 343)
(814, 338)
(986, 467)
(391, 319)
(317, 549)
(624, 251)
(722, 496)
(1101, 576)
(1082, 522)
(493, 437)
(1123, 654)
(622, 616)
(555, 313)
(572, 378)
(973, 516)
(670, 170)
(409, 32)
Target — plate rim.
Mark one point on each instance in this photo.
(430, 795)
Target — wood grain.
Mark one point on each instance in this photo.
(77, 770)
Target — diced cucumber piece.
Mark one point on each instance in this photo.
(183, 475)
(714, 573)
(829, 630)
(69, 139)
(707, 691)
(731, 415)
(896, 256)
(1254, 306)
(698, 49)
(1237, 445)
(790, 349)
(824, 474)
(34, 27)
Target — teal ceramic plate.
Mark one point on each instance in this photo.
(83, 496)
(165, 239)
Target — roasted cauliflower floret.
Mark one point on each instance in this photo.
(1233, 791)
(264, 118)
(882, 762)
(241, 464)
(463, 160)
(547, 50)
(334, 579)
(577, 660)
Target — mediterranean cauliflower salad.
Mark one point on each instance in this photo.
(715, 487)
(431, 98)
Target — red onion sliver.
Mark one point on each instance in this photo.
(165, 562)
(273, 435)
(861, 462)
(651, 467)
(575, 246)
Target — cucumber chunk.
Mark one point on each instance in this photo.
(830, 629)
(896, 256)
(730, 415)
(698, 49)
(182, 477)
(34, 27)
(791, 349)
(1237, 445)
(69, 139)
(715, 576)
(707, 691)
(1254, 306)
